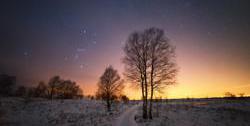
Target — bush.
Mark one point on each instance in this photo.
(6, 84)
(21, 91)
(229, 95)
(124, 98)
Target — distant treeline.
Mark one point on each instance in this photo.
(56, 88)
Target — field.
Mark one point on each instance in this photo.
(39, 112)
(197, 112)
(200, 112)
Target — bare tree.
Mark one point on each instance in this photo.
(41, 89)
(110, 86)
(229, 95)
(54, 82)
(135, 60)
(124, 98)
(149, 63)
(162, 67)
(68, 89)
(241, 95)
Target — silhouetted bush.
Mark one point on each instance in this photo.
(41, 90)
(31, 92)
(124, 98)
(64, 89)
(241, 95)
(21, 91)
(56, 88)
(68, 89)
(91, 97)
(6, 84)
(229, 95)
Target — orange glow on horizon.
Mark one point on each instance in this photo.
(201, 74)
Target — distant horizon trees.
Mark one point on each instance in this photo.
(56, 88)
(150, 64)
(110, 86)
(231, 95)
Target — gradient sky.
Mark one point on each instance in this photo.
(78, 39)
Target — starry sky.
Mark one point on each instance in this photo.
(78, 39)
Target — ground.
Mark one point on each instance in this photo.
(40, 112)
(127, 118)
(216, 112)
(205, 112)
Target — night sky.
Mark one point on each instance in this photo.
(78, 39)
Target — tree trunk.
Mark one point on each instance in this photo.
(151, 103)
(152, 90)
(51, 93)
(144, 111)
(108, 105)
(146, 97)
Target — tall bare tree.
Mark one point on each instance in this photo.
(149, 63)
(162, 68)
(110, 86)
(136, 64)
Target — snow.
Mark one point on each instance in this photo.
(128, 117)
(204, 113)
(40, 112)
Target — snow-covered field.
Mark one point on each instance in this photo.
(201, 113)
(40, 112)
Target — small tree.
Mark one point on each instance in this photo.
(124, 98)
(41, 89)
(229, 95)
(241, 95)
(54, 82)
(110, 86)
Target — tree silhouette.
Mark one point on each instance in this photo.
(54, 82)
(68, 89)
(149, 63)
(6, 84)
(21, 91)
(110, 86)
(229, 95)
(41, 90)
(136, 63)
(162, 62)
(124, 98)
(65, 89)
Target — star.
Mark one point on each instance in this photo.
(209, 33)
(65, 58)
(94, 34)
(80, 49)
(25, 53)
(84, 31)
(81, 66)
(76, 56)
